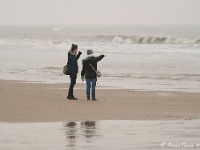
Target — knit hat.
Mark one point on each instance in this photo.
(89, 52)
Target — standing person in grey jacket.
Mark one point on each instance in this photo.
(89, 74)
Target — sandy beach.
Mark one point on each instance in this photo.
(148, 95)
(39, 102)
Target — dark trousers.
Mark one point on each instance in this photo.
(72, 83)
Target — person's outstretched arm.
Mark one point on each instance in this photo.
(79, 54)
(99, 58)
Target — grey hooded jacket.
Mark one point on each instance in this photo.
(87, 70)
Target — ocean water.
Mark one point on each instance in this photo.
(142, 58)
(101, 135)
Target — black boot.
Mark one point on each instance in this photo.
(72, 98)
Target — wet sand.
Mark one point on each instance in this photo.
(101, 135)
(38, 102)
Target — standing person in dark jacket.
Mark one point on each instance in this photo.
(72, 66)
(89, 74)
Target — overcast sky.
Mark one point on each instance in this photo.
(107, 12)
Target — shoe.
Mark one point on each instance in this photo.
(88, 98)
(94, 99)
(72, 98)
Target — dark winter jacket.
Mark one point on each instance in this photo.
(72, 63)
(87, 70)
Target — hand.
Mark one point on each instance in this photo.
(82, 78)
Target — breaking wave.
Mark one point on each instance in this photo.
(142, 39)
(59, 28)
(103, 39)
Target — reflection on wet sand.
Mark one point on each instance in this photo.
(71, 133)
(100, 135)
(87, 129)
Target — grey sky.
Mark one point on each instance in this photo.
(62, 12)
